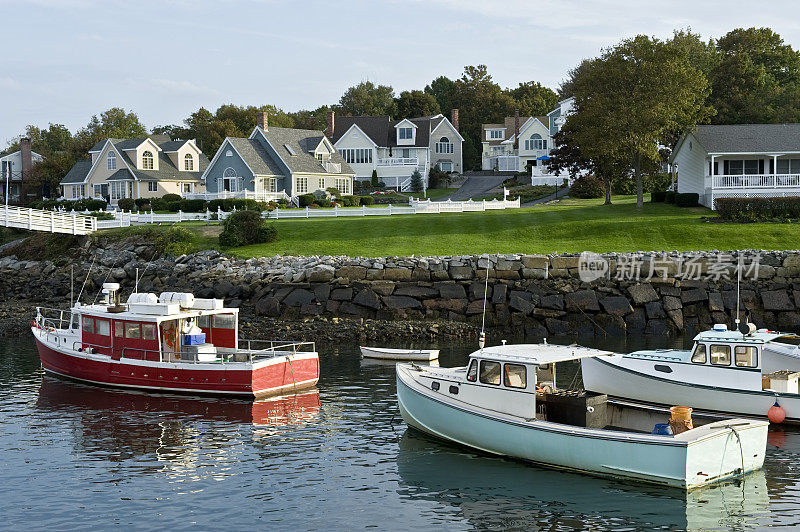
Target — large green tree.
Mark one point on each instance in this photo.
(442, 89)
(368, 99)
(533, 98)
(634, 97)
(416, 103)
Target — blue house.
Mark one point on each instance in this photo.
(274, 163)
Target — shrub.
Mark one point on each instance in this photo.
(688, 199)
(141, 202)
(658, 196)
(102, 215)
(587, 186)
(126, 204)
(307, 199)
(758, 209)
(193, 205)
(173, 206)
(374, 179)
(246, 227)
(416, 181)
(333, 191)
(366, 200)
(171, 197)
(669, 197)
(323, 202)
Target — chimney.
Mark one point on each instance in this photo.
(331, 123)
(27, 164)
(263, 120)
(454, 118)
(516, 129)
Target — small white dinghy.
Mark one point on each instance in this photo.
(385, 353)
(494, 405)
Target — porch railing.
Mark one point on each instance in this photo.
(398, 161)
(756, 181)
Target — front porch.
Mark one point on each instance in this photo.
(750, 175)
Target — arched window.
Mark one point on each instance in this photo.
(229, 153)
(535, 142)
(188, 163)
(444, 145)
(112, 160)
(229, 180)
(229, 172)
(147, 160)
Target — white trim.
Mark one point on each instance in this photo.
(148, 139)
(362, 132)
(405, 120)
(452, 127)
(216, 155)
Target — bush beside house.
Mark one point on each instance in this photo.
(246, 227)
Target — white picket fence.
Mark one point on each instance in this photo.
(70, 223)
(126, 219)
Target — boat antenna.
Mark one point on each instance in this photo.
(87, 278)
(482, 337)
(738, 281)
(136, 283)
(71, 285)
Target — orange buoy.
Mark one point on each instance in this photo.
(776, 413)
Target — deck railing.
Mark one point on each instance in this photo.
(50, 221)
(776, 181)
(398, 161)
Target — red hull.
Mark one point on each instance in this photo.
(272, 377)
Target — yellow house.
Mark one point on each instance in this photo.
(137, 168)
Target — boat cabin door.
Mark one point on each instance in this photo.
(546, 377)
(169, 340)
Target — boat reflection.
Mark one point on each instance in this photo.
(497, 493)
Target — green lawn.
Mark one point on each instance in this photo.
(568, 226)
(435, 194)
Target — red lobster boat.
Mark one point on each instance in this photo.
(173, 342)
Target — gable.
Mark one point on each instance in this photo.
(445, 125)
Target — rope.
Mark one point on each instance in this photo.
(294, 381)
(101, 287)
(87, 278)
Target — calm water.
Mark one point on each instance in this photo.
(73, 456)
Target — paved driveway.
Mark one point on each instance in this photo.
(476, 186)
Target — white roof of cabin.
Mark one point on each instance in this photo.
(761, 336)
(538, 353)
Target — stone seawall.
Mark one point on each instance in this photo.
(536, 295)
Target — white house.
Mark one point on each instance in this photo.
(395, 148)
(15, 169)
(523, 142)
(741, 160)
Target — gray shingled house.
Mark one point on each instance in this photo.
(274, 163)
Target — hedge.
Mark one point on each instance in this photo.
(658, 196)
(687, 199)
(669, 197)
(367, 200)
(587, 186)
(758, 209)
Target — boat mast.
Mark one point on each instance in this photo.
(738, 281)
(482, 337)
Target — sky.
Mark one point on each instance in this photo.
(66, 60)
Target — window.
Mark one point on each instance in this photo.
(495, 134)
(152, 186)
(188, 163)
(405, 133)
(132, 331)
(98, 191)
(515, 376)
(78, 191)
(445, 166)
(229, 180)
(112, 161)
(223, 321)
(343, 184)
(357, 155)
(746, 356)
(472, 372)
(203, 322)
(102, 327)
(720, 355)
(187, 187)
(746, 167)
(319, 157)
(322, 183)
(271, 184)
(699, 355)
(788, 166)
(536, 142)
(490, 372)
(302, 185)
(88, 325)
(117, 329)
(444, 146)
(229, 153)
(147, 160)
(118, 190)
(148, 331)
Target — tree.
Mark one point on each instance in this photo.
(115, 123)
(374, 180)
(442, 89)
(416, 182)
(632, 98)
(416, 103)
(368, 99)
(533, 98)
(567, 87)
(757, 79)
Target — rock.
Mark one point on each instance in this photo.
(654, 310)
(672, 303)
(554, 302)
(368, 298)
(234, 303)
(268, 306)
(118, 274)
(531, 273)
(506, 274)
(521, 305)
(617, 306)
(397, 302)
(636, 321)
(298, 297)
(537, 262)
(461, 273)
(374, 273)
(792, 261)
(354, 273)
(582, 300)
(677, 318)
(499, 293)
(223, 289)
(420, 274)
(562, 263)
(419, 292)
(715, 302)
(776, 300)
(321, 273)
(322, 292)
(657, 327)
(342, 294)
(475, 307)
(397, 274)
(477, 290)
(557, 327)
(642, 293)
(450, 290)
(694, 295)
(383, 288)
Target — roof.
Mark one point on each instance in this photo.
(538, 353)
(78, 172)
(120, 175)
(255, 156)
(167, 171)
(301, 141)
(508, 124)
(381, 129)
(761, 336)
(749, 138)
(129, 144)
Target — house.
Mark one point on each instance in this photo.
(144, 167)
(15, 171)
(524, 142)
(274, 163)
(395, 148)
(738, 160)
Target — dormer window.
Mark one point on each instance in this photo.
(405, 133)
(495, 134)
(229, 153)
(112, 160)
(188, 163)
(147, 160)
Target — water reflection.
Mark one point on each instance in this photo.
(496, 493)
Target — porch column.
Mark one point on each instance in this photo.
(711, 172)
(775, 170)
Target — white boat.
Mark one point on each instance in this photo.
(741, 373)
(494, 405)
(386, 353)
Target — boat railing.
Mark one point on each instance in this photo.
(225, 355)
(88, 348)
(54, 318)
(275, 346)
